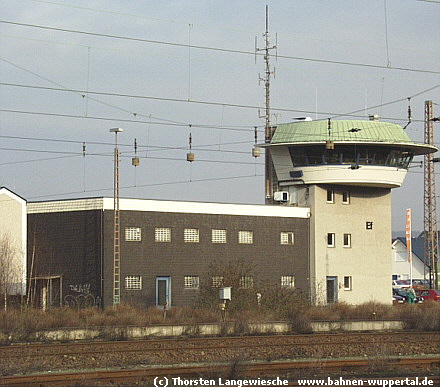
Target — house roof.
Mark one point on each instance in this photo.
(11, 194)
(417, 245)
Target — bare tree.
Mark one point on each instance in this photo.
(10, 268)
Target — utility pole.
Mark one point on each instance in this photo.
(430, 234)
(270, 178)
(116, 223)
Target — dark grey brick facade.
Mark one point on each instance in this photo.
(77, 244)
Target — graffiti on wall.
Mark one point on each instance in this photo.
(82, 298)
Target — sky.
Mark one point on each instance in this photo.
(166, 70)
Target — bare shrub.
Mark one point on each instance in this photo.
(424, 317)
(233, 274)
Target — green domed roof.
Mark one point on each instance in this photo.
(351, 130)
(347, 131)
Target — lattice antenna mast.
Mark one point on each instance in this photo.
(269, 170)
(431, 252)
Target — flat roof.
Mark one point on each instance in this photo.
(148, 205)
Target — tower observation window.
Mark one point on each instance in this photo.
(350, 154)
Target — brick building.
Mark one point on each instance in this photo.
(166, 248)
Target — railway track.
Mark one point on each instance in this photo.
(220, 343)
(216, 371)
(146, 355)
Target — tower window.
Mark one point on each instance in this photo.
(330, 196)
(347, 283)
(345, 197)
(331, 239)
(369, 225)
(347, 240)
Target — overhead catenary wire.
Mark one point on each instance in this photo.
(217, 49)
(332, 115)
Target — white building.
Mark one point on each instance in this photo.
(13, 236)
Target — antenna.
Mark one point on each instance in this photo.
(409, 113)
(269, 170)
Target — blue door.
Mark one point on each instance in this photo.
(163, 291)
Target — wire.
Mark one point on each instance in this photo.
(150, 185)
(216, 49)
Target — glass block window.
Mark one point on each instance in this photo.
(287, 238)
(331, 239)
(218, 236)
(133, 234)
(246, 282)
(133, 282)
(246, 237)
(217, 281)
(191, 235)
(162, 234)
(347, 240)
(347, 283)
(287, 281)
(191, 282)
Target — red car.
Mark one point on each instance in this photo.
(429, 294)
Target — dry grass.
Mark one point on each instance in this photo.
(24, 323)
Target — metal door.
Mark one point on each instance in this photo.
(163, 291)
(332, 290)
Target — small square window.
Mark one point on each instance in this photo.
(218, 236)
(331, 239)
(330, 196)
(246, 282)
(369, 225)
(133, 282)
(191, 282)
(347, 240)
(191, 235)
(287, 238)
(345, 197)
(287, 281)
(217, 281)
(133, 234)
(347, 283)
(246, 237)
(162, 234)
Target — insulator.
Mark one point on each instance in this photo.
(190, 157)
(329, 145)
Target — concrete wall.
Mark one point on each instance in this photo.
(366, 261)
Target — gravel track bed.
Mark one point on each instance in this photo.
(23, 359)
